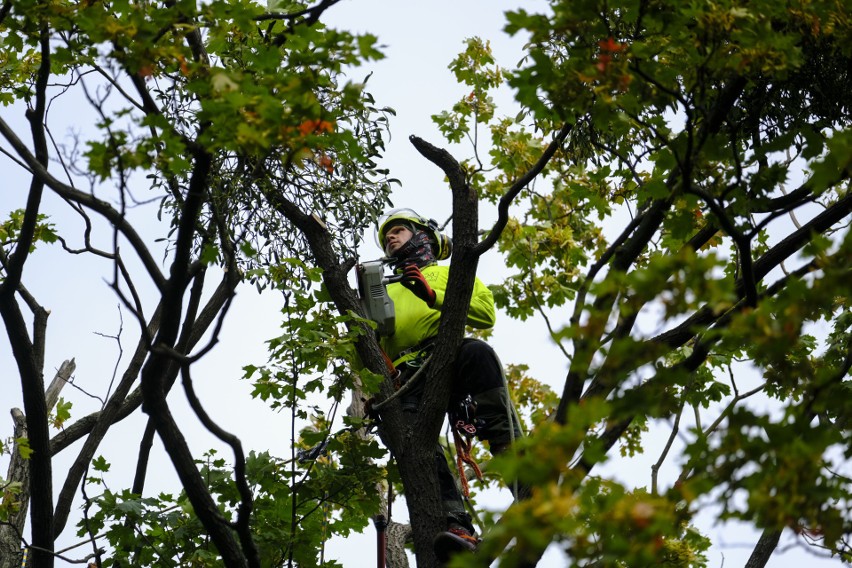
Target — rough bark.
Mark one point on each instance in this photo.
(11, 533)
(763, 550)
(415, 456)
(19, 472)
(397, 535)
(412, 444)
(414, 451)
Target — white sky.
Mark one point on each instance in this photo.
(421, 38)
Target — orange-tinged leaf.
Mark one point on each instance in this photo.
(313, 126)
(325, 162)
(609, 45)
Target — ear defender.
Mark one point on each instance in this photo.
(444, 246)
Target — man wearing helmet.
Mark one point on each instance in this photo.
(414, 245)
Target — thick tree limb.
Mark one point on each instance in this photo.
(835, 213)
(155, 373)
(11, 532)
(766, 545)
(728, 96)
(84, 425)
(36, 411)
(397, 535)
(426, 428)
(445, 161)
(29, 354)
(246, 504)
(586, 346)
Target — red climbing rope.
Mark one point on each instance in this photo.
(463, 445)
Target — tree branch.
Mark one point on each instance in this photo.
(246, 502)
(586, 346)
(102, 207)
(766, 545)
(19, 471)
(520, 184)
(105, 419)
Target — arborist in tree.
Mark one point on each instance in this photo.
(479, 403)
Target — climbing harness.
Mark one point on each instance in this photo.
(423, 346)
(376, 407)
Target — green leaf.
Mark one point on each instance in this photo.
(100, 464)
(62, 413)
(23, 445)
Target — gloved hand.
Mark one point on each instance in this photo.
(414, 280)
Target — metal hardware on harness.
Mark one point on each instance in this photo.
(465, 425)
(464, 443)
(464, 417)
(422, 346)
(468, 429)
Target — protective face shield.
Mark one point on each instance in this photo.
(442, 246)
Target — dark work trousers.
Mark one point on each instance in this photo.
(477, 372)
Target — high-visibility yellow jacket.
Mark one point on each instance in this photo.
(416, 322)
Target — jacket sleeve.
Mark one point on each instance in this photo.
(481, 314)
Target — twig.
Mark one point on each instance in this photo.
(655, 469)
(515, 189)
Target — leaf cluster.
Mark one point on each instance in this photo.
(687, 236)
(297, 507)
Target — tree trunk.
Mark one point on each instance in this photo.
(19, 472)
(10, 534)
(417, 470)
(397, 535)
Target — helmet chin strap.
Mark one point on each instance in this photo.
(417, 250)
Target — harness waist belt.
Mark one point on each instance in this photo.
(425, 344)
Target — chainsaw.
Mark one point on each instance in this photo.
(373, 294)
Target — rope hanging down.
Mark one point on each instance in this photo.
(464, 443)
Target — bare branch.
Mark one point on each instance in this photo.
(655, 469)
(246, 502)
(520, 184)
(102, 207)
